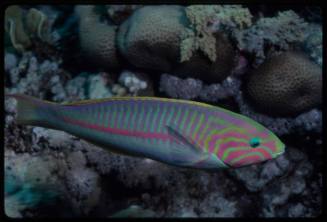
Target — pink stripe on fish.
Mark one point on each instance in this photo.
(122, 132)
(271, 145)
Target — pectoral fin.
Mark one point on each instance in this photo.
(188, 153)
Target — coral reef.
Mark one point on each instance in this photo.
(14, 26)
(29, 183)
(88, 86)
(50, 173)
(178, 88)
(205, 20)
(313, 43)
(149, 38)
(119, 13)
(131, 81)
(23, 33)
(198, 66)
(27, 72)
(98, 87)
(272, 35)
(310, 121)
(10, 61)
(97, 39)
(195, 89)
(36, 24)
(144, 45)
(287, 84)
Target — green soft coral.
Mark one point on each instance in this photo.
(200, 36)
(37, 24)
(22, 29)
(14, 27)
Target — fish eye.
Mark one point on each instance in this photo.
(254, 142)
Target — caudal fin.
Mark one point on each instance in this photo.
(30, 110)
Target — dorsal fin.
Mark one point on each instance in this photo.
(141, 98)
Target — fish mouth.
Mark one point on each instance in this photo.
(278, 154)
(281, 152)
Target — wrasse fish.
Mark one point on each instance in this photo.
(177, 132)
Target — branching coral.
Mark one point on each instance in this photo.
(276, 34)
(204, 21)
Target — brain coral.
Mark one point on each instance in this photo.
(150, 37)
(199, 66)
(286, 84)
(97, 39)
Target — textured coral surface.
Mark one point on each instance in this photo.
(149, 38)
(286, 84)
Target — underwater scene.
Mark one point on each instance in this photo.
(181, 111)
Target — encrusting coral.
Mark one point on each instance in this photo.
(286, 84)
(97, 39)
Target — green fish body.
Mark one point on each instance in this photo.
(176, 132)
